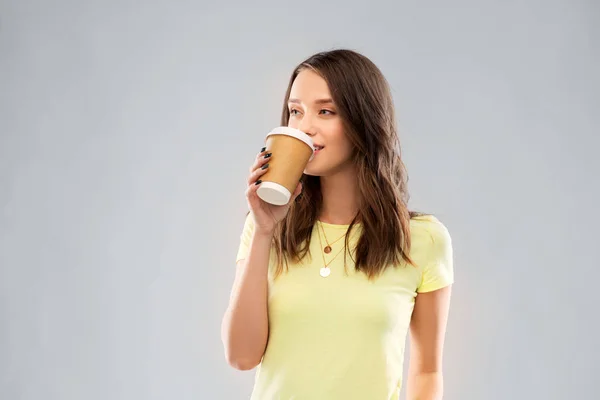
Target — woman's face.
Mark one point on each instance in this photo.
(312, 111)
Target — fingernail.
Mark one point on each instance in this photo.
(263, 149)
(265, 166)
(258, 182)
(268, 155)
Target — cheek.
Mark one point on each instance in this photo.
(343, 145)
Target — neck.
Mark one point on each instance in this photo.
(340, 197)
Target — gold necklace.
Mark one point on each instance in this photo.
(325, 271)
(327, 249)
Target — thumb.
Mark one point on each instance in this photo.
(298, 191)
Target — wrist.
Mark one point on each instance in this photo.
(264, 233)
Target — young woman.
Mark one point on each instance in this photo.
(328, 286)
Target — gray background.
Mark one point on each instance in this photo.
(127, 129)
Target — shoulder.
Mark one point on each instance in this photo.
(248, 223)
(430, 239)
(428, 227)
(247, 230)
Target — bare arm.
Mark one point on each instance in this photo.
(427, 332)
(245, 326)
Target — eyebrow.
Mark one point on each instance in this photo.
(319, 101)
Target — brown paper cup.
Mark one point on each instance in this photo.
(292, 149)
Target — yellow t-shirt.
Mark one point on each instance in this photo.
(343, 336)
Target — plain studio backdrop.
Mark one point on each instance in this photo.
(127, 130)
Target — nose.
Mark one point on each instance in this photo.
(306, 125)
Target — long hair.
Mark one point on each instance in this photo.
(364, 103)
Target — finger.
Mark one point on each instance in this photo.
(251, 190)
(298, 191)
(261, 159)
(252, 195)
(255, 175)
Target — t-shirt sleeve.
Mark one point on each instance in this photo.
(245, 238)
(438, 271)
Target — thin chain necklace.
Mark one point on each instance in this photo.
(325, 271)
(327, 249)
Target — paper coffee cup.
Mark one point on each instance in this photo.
(292, 149)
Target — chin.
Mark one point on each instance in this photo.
(313, 170)
(322, 170)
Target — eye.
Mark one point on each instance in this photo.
(293, 111)
(326, 112)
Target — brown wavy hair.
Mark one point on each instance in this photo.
(364, 102)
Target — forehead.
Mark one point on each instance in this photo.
(309, 86)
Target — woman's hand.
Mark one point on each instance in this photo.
(266, 216)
